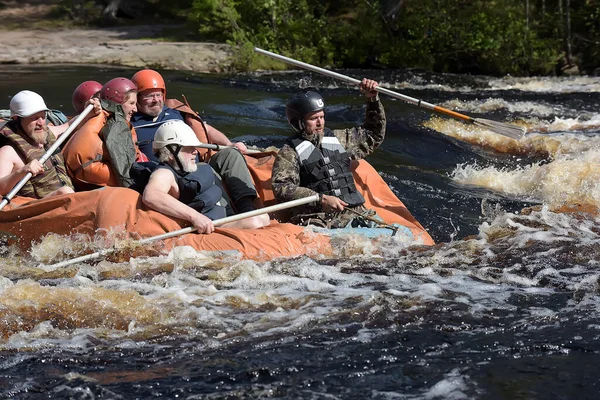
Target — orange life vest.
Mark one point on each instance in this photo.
(86, 158)
(195, 122)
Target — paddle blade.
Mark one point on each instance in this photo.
(512, 131)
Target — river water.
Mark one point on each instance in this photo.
(504, 307)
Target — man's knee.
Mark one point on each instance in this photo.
(65, 190)
(231, 152)
(226, 157)
(61, 191)
(260, 221)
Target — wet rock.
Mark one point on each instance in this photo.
(570, 70)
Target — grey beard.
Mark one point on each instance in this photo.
(187, 167)
(40, 138)
(153, 114)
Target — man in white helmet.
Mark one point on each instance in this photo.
(23, 141)
(154, 109)
(183, 189)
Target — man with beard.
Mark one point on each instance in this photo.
(183, 189)
(318, 160)
(153, 111)
(23, 141)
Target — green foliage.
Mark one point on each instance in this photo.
(497, 37)
(469, 36)
(587, 40)
(80, 12)
(216, 19)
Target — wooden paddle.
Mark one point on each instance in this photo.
(277, 207)
(47, 155)
(511, 131)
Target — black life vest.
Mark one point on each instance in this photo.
(55, 175)
(198, 190)
(326, 169)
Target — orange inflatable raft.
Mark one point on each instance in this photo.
(26, 220)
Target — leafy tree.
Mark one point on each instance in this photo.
(520, 37)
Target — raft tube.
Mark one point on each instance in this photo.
(26, 220)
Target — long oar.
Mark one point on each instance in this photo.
(47, 155)
(218, 147)
(512, 131)
(218, 222)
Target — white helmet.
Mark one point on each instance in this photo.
(26, 103)
(175, 132)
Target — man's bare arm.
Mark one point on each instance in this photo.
(158, 195)
(12, 169)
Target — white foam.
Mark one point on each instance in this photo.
(571, 178)
(579, 84)
(452, 387)
(490, 105)
(5, 283)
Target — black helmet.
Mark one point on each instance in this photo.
(302, 103)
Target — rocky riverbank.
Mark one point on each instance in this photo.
(134, 46)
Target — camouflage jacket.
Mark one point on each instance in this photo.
(359, 142)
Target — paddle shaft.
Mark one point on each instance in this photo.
(218, 222)
(237, 217)
(408, 99)
(218, 147)
(47, 155)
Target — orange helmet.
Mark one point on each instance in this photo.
(149, 79)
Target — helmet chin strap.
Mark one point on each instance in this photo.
(175, 156)
(307, 136)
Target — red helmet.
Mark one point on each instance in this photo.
(149, 79)
(85, 91)
(116, 89)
